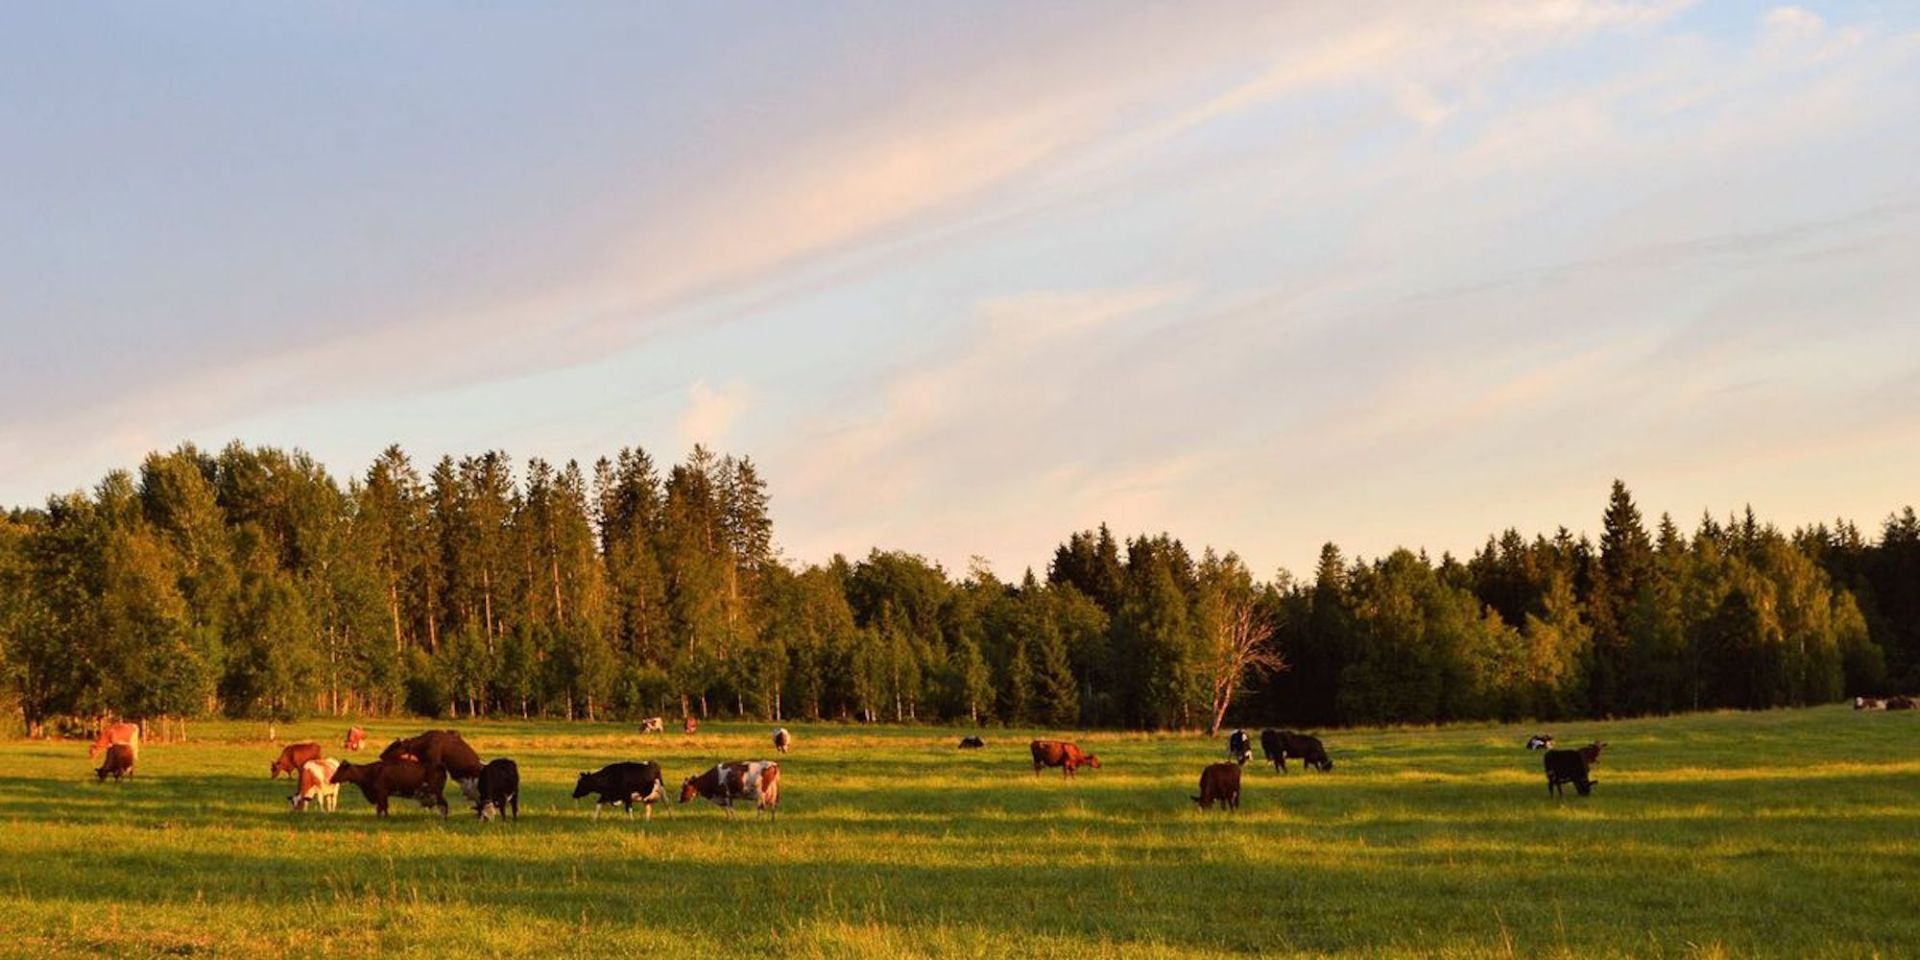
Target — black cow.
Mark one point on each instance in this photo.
(1278, 745)
(499, 790)
(971, 743)
(1239, 747)
(622, 783)
(1567, 766)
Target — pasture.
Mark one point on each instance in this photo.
(1783, 834)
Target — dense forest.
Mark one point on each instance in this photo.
(250, 583)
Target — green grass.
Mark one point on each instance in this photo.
(1788, 834)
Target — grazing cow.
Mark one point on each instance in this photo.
(1059, 753)
(356, 738)
(499, 790)
(653, 725)
(971, 743)
(1899, 703)
(293, 757)
(1278, 745)
(1540, 741)
(756, 780)
(624, 784)
(317, 785)
(689, 725)
(1591, 752)
(382, 780)
(1239, 746)
(782, 739)
(123, 734)
(119, 762)
(1567, 766)
(1219, 782)
(444, 754)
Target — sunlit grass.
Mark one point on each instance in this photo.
(1790, 834)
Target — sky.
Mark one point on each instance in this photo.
(964, 278)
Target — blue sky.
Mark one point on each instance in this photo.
(964, 278)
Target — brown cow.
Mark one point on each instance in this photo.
(384, 779)
(293, 758)
(123, 734)
(1060, 753)
(689, 725)
(443, 753)
(756, 780)
(1219, 782)
(356, 738)
(119, 762)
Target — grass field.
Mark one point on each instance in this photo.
(1789, 834)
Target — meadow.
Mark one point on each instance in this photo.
(1791, 833)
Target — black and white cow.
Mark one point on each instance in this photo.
(1540, 741)
(499, 790)
(622, 784)
(1239, 747)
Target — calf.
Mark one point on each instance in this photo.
(622, 783)
(756, 780)
(293, 757)
(653, 725)
(1059, 753)
(1540, 741)
(1567, 766)
(119, 763)
(122, 734)
(971, 743)
(782, 739)
(1219, 782)
(317, 785)
(444, 754)
(499, 790)
(383, 780)
(356, 738)
(1239, 746)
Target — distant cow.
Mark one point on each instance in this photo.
(689, 725)
(122, 734)
(356, 738)
(1239, 746)
(293, 757)
(499, 790)
(119, 763)
(1540, 741)
(317, 786)
(443, 753)
(383, 780)
(1567, 766)
(1059, 753)
(624, 784)
(1220, 782)
(653, 725)
(756, 780)
(782, 739)
(1899, 703)
(971, 743)
(1278, 745)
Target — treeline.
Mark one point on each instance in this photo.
(250, 583)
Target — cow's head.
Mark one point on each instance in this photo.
(486, 810)
(1585, 787)
(1092, 761)
(584, 785)
(687, 790)
(348, 772)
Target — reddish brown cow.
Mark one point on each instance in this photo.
(443, 753)
(384, 779)
(119, 762)
(1219, 782)
(294, 757)
(756, 780)
(1059, 753)
(356, 738)
(689, 725)
(123, 734)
